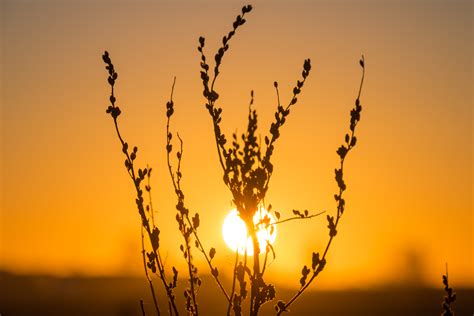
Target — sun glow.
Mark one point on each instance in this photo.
(235, 231)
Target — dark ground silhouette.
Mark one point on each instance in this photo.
(45, 295)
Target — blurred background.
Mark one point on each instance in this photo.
(70, 232)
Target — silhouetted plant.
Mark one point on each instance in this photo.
(319, 262)
(188, 226)
(247, 169)
(154, 262)
(449, 298)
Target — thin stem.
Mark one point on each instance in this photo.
(297, 218)
(219, 147)
(277, 93)
(177, 187)
(148, 189)
(191, 279)
(114, 111)
(152, 289)
(340, 204)
(267, 250)
(146, 224)
(363, 75)
(255, 287)
(211, 101)
(142, 308)
(188, 247)
(217, 66)
(274, 138)
(291, 219)
(229, 306)
(315, 274)
(161, 266)
(202, 249)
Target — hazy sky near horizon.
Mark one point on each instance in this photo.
(68, 206)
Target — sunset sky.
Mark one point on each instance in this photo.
(67, 204)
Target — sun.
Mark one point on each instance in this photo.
(235, 234)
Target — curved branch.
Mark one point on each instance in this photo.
(177, 186)
(114, 112)
(318, 264)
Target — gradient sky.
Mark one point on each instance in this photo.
(68, 206)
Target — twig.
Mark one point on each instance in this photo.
(114, 112)
(142, 308)
(176, 184)
(152, 289)
(191, 302)
(234, 276)
(289, 219)
(450, 296)
(317, 263)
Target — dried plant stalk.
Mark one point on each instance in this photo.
(318, 263)
(449, 298)
(137, 176)
(247, 170)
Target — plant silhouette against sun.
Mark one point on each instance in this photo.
(247, 170)
(449, 298)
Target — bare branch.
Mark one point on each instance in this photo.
(318, 264)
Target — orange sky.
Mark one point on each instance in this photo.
(67, 204)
